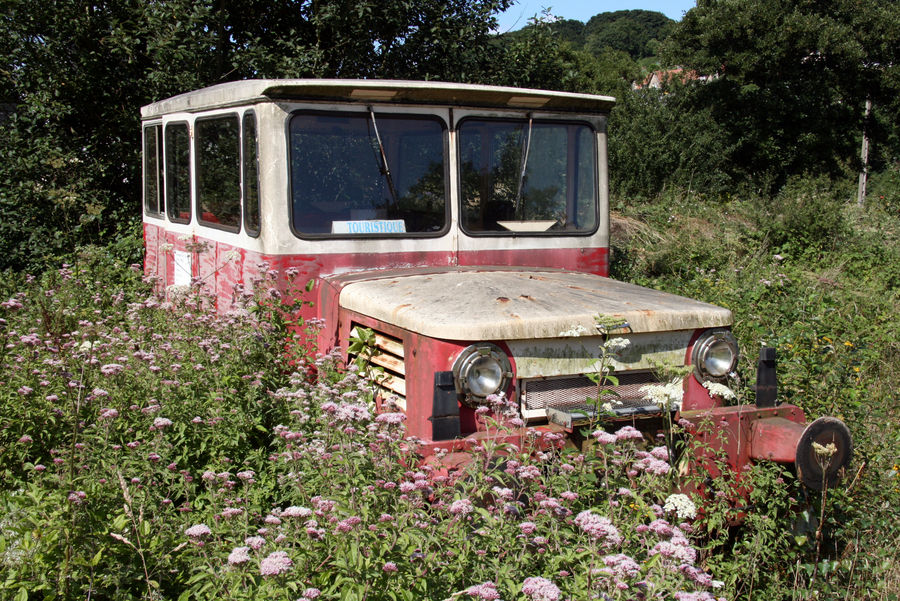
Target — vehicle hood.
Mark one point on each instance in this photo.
(511, 304)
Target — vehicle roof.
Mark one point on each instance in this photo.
(366, 91)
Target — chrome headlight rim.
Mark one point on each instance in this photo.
(470, 367)
(708, 358)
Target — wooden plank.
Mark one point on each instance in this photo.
(389, 345)
(395, 385)
(389, 362)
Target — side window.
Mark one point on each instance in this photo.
(217, 142)
(250, 165)
(153, 197)
(178, 172)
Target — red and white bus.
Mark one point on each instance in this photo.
(465, 229)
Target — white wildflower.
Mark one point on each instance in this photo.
(574, 331)
(720, 390)
(616, 345)
(666, 396)
(683, 507)
(610, 405)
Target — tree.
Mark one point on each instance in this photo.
(791, 77)
(75, 74)
(637, 32)
(536, 57)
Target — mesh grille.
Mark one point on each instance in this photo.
(573, 391)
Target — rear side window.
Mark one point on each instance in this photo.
(218, 172)
(153, 185)
(178, 172)
(250, 163)
(367, 174)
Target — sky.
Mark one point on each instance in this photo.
(582, 10)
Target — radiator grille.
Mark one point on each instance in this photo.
(574, 391)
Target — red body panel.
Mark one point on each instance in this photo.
(743, 433)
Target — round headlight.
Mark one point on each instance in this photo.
(715, 355)
(481, 370)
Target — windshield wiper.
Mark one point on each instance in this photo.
(385, 168)
(522, 167)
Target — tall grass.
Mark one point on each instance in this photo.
(150, 449)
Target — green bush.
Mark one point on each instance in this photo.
(807, 214)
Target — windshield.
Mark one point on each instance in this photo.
(367, 173)
(527, 175)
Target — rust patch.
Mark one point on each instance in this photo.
(525, 297)
(502, 299)
(399, 308)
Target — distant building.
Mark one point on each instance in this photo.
(657, 78)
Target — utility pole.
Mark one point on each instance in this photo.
(864, 156)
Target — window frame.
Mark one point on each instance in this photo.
(159, 172)
(253, 232)
(190, 174)
(237, 118)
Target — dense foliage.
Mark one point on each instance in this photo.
(785, 95)
(149, 457)
(789, 81)
(75, 76)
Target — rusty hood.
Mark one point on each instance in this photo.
(511, 304)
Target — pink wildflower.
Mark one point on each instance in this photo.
(239, 556)
(198, 531)
(389, 566)
(391, 418)
(255, 542)
(622, 565)
(599, 528)
(603, 437)
(109, 413)
(461, 507)
(296, 512)
(310, 594)
(486, 591)
(230, 512)
(111, 369)
(275, 563)
(161, 423)
(628, 433)
(540, 589)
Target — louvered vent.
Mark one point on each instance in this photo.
(388, 355)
